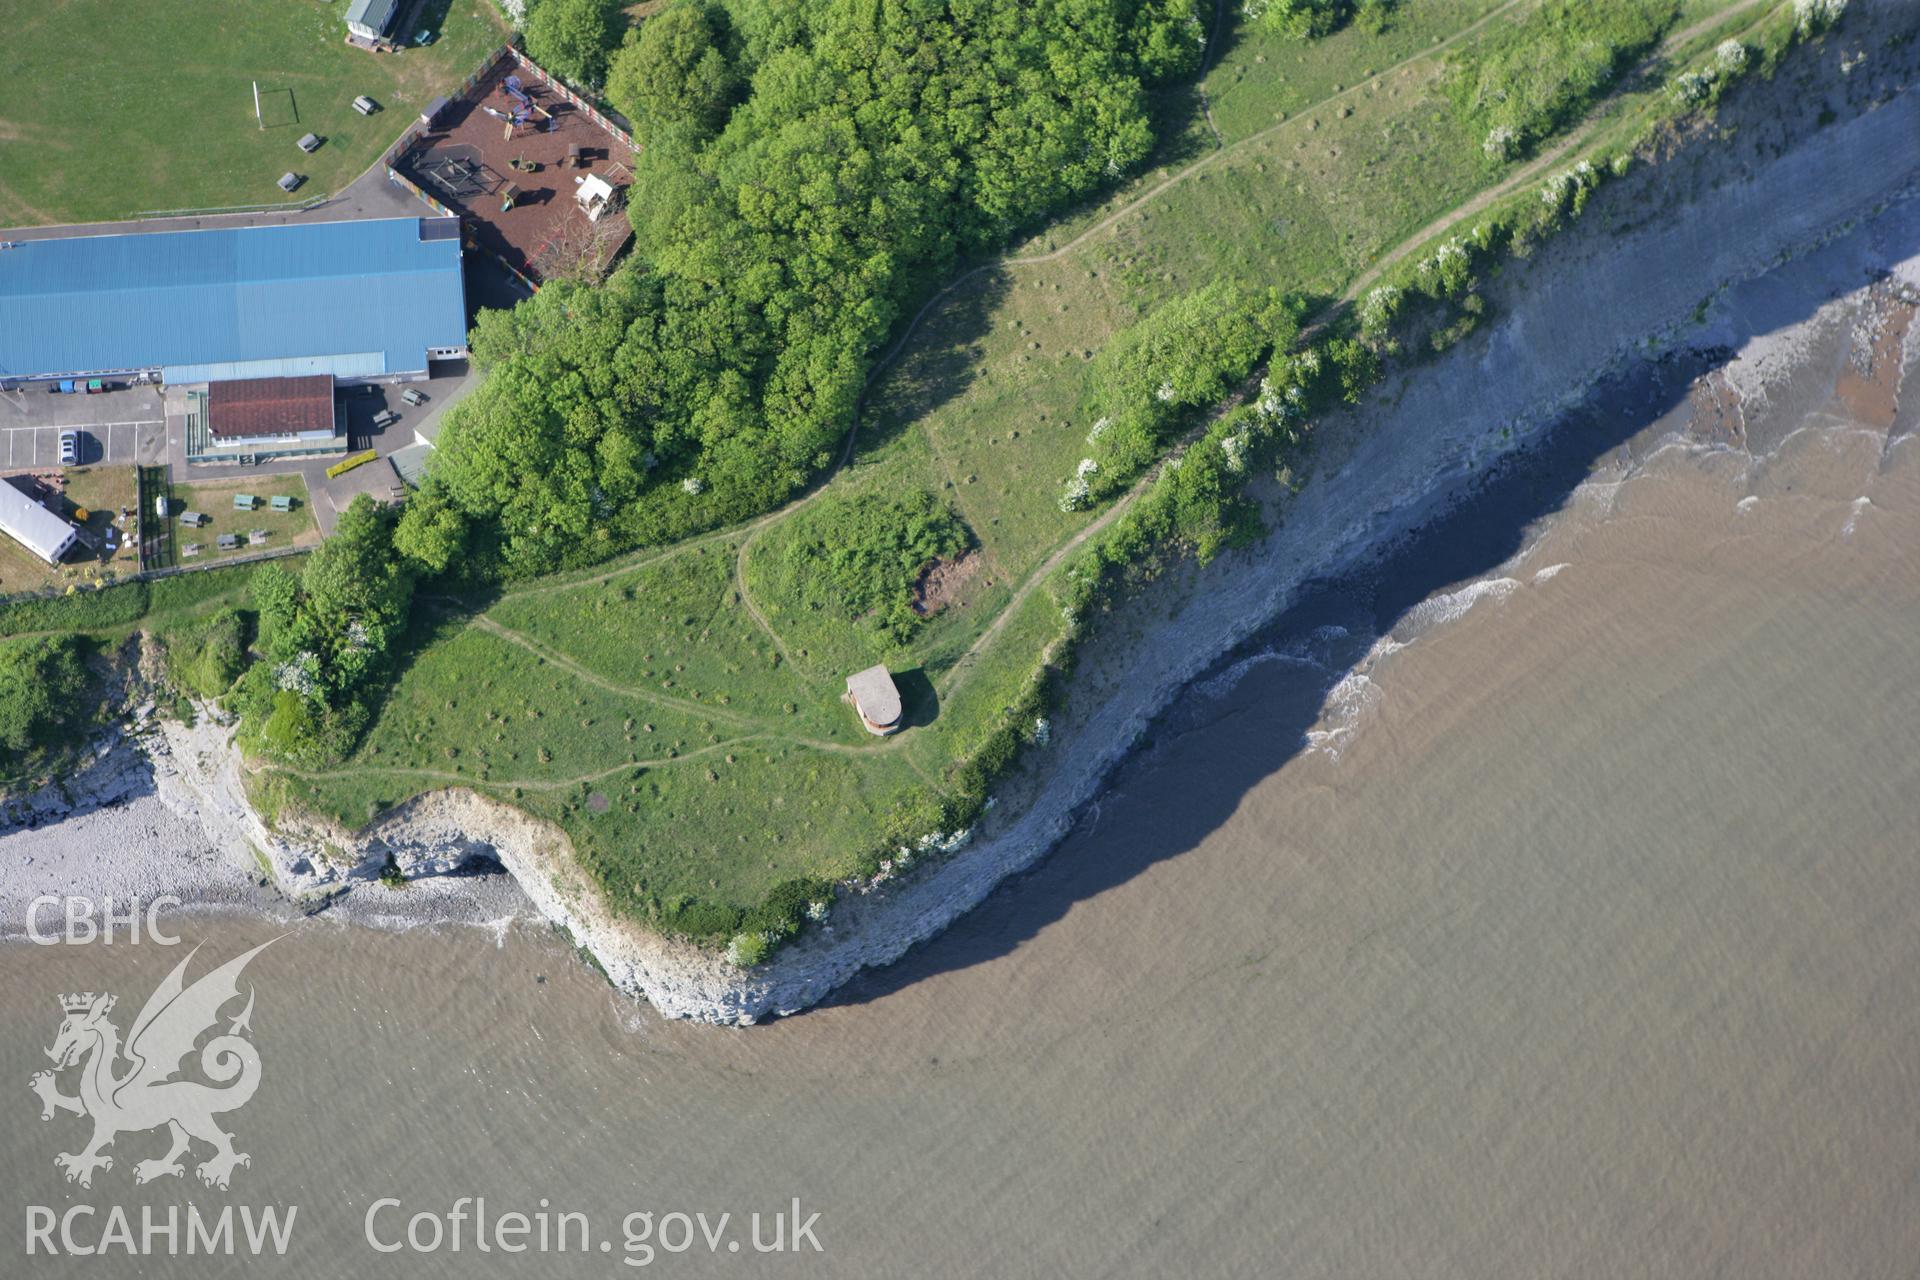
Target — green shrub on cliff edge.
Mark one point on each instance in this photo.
(1530, 79)
(207, 655)
(43, 686)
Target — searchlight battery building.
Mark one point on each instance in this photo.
(365, 301)
(876, 699)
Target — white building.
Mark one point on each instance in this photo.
(33, 526)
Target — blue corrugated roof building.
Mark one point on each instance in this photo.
(357, 300)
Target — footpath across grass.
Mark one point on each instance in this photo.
(678, 714)
(119, 109)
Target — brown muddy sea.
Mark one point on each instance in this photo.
(1561, 922)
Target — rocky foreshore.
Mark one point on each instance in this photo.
(1768, 223)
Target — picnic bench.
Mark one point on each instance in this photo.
(258, 537)
(191, 549)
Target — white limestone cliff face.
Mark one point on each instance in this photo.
(1594, 299)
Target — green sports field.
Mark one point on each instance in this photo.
(127, 109)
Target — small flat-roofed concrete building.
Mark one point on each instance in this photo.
(875, 698)
(33, 526)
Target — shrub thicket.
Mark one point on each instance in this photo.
(43, 686)
(820, 166)
(856, 558)
(205, 656)
(1531, 78)
(326, 640)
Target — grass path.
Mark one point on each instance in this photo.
(1581, 133)
(579, 672)
(750, 531)
(1174, 179)
(1460, 213)
(685, 705)
(528, 784)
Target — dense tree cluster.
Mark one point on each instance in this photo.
(1308, 19)
(570, 38)
(808, 171)
(326, 639)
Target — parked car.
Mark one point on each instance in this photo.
(413, 397)
(385, 418)
(69, 448)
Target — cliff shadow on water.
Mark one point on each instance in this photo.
(1333, 622)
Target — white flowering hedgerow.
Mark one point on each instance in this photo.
(1810, 16)
(1234, 447)
(300, 674)
(1692, 86)
(1074, 497)
(1378, 308)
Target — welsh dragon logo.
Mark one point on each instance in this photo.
(147, 1094)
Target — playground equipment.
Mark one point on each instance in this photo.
(514, 120)
(595, 196)
(458, 175)
(518, 92)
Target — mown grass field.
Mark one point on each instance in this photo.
(214, 499)
(690, 736)
(123, 110)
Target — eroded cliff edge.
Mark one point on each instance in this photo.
(1767, 208)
